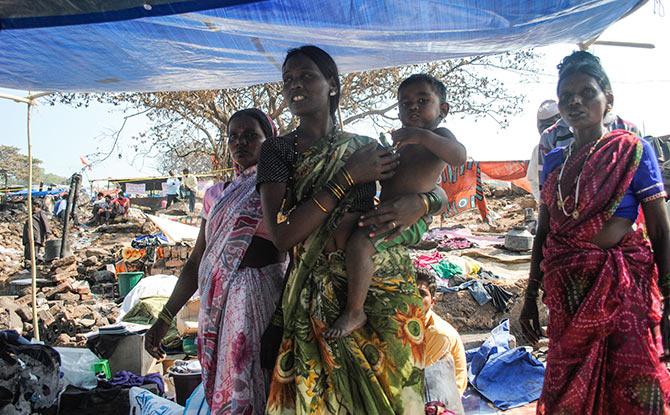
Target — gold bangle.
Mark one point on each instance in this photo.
(336, 193)
(323, 209)
(426, 204)
(347, 177)
(338, 187)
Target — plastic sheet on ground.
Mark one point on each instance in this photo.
(507, 377)
(160, 285)
(77, 364)
(175, 232)
(207, 44)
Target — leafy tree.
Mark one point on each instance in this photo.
(14, 165)
(188, 128)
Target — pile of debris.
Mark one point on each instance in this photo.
(66, 307)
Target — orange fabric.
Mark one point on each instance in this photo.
(463, 184)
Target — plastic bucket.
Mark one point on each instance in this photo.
(128, 280)
(52, 249)
(184, 385)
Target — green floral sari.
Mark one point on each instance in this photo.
(375, 370)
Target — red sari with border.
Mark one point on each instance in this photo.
(604, 305)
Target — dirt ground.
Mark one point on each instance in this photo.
(459, 308)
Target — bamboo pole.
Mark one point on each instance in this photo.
(31, 235)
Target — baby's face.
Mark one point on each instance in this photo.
(419, 106)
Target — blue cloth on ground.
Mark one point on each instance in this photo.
(508, 378)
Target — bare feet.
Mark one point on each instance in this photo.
(346, 323)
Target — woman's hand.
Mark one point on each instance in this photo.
(530, 320)
(153, 338)
(665, 330)
(371, 163)
(394, 215)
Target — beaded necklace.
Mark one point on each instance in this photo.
(561, 201)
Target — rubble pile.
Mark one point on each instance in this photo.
(66, 306)
(11, 245)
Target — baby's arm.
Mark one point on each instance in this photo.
(440, 142)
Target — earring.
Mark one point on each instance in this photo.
(333, 93)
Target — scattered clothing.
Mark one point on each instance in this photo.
(143, 241)
(130, 379)
(446, 269)
(426, 260)
(501, 298)
(455, 243)
(29, 375)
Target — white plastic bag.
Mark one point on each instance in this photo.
(77, 367)
(143, 402)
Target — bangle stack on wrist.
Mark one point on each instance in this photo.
(336, 188)
(434, 202)
(166, 316)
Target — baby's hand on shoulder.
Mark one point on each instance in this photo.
(408, 135)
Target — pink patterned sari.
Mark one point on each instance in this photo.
(603, 304)
(236, 304)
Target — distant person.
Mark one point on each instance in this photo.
(98, 202)
(190, 188)
(60, 207)
(172, 189)
(40, 224)
(547, 115)
(104, 210)
(120, 206)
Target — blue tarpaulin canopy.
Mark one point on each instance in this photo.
(131, 45)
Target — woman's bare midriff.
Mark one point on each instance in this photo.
(612, 232)
(260, 253)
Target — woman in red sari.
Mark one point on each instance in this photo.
(608, 307)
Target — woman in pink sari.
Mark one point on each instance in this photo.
(608, 320)
(239, 273)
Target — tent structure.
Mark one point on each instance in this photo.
(168, 45)
(161, 45)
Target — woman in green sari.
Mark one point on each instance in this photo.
(315, 183)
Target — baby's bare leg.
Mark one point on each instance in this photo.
(360, 268)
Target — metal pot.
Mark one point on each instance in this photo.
(519, 239)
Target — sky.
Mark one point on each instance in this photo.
(640, 80)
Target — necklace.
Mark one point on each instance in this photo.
(283, 215)
(561, 200)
